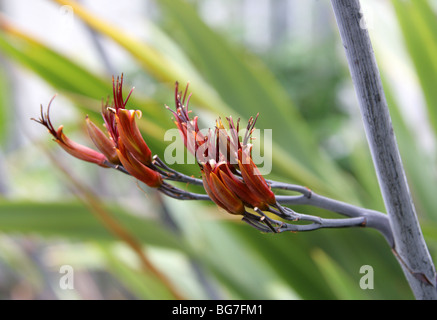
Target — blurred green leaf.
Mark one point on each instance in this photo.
(5, 105)
(418, 164)
(50, 65)
(74, 221)
(418, 23)
(74, 80)
(429, 229)
(237, 264)
(143, 285)
(289, 257)
(340, 283)
(154, 62)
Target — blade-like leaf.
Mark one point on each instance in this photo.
(4, 105)
(339, 281)
(72, 79)
(417, 163)
(418, 23)
(74, 221)
(143, 284)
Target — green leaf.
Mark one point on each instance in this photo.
(74, 221)
(5, 105)
(418, 23)
(142, 284)
(339, 281)
(76, 81)
(429, 229)
(239, 266)
(417, 163)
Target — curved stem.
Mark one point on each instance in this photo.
(267, 224)
(180, 194)
(291, 187)
(326, 223)
(374, 219)
(174, 175)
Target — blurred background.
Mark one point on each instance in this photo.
(281, 58)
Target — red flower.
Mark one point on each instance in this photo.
(226, 154)
(102, 142)
(188, 128)
(73, 148)
(136, 168)
(219, 192)
(131, 136)
(234, 186)
(124, 146)
(253, 178)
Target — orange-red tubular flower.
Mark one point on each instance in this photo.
(73, 148)
(240, 188)
(79, 151)
(131, 136)
(102, 142)
(137, 169)
(188, 128)
(109, 111)
(253, 178)
(251, 188)
(219, 193)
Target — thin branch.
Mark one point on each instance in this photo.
(174, 175)
(374, 219)
(409, 242)
(271, 225)
(180, 194)
(291, 187)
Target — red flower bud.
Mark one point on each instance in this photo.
(79, 151)
(73, 148)
(131, 136)
(240, 188)
(102, 142)
(253, 178)
(188, 128)
(219, 193)
(136, 168)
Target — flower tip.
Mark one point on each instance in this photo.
(138, 113)
(112, 110)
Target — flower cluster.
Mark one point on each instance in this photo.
(230, 177)
(123, 144)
